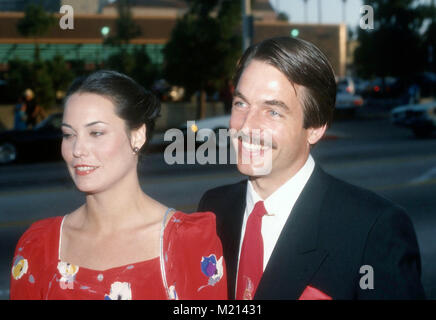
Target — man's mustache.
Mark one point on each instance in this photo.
(263, 138)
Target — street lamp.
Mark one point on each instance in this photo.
(105, 31)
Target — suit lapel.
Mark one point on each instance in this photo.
(296, 256)
(231, 225)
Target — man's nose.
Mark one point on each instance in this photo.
(252, 121)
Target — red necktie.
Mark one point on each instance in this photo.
(251, 260)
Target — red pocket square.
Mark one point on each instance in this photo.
(311, 293)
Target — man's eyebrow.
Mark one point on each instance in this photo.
(239, 95)
(277, 103)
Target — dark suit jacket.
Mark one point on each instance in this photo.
(333, 230)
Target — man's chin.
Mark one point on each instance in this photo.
(253, 170)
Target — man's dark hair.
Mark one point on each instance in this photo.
(303, 64)
(135, 105)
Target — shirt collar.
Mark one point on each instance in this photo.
(281, 201)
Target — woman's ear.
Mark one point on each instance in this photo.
(315, 134)
(138, 137)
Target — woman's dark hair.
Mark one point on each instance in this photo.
(135, 105)
(303, 64)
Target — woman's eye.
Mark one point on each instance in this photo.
(96, 133)
(66, 135)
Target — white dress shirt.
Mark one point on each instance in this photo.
(278, 205)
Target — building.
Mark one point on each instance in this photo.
(156, 19)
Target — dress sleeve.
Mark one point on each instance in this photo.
(196, 267)
(28, 261)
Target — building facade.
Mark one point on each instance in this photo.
(156, 19)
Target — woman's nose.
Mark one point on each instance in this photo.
(79, 148)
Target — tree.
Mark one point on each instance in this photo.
(125, 27)
(135, 63)
(35, 23)
(203, 48)
(393, 47)
(61, 75)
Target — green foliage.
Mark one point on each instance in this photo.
(204, 47)
(42, 82)
(136, 64)
(43, 77)
(18, 78)
(35, 23)
(283, 16)
(61, 74)
(125, 27)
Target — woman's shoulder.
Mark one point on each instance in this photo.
(41, 231)
(195, 226)
(200, 220)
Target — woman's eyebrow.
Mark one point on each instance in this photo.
(94, 122)
(86, 125)
(66, 125)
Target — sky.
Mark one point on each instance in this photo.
(331, 11)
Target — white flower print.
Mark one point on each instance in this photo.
(20, 267)
(68, 273)
(119, 291)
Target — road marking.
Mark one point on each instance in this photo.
(426, 176)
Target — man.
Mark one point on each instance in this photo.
(295, 232)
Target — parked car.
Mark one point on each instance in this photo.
(206, 127)
(421, 118)
(347, 101)
(346, 84)
(42, 143)
(378, 88)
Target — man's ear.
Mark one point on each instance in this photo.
(315, 134)
(138, 137)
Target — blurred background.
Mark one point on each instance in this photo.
(383, 136)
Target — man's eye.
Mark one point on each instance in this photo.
(238, 104)
(274, 113)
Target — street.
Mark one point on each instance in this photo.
(367, 152)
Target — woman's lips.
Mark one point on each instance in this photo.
(83, 170)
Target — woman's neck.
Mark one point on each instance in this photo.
(121, 207)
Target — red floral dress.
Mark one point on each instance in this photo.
(190, 266)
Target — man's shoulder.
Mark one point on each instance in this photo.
(357, 203)
(352, 194)
(219, 197)
(228, 189)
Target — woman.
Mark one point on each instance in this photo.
(121, 244)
